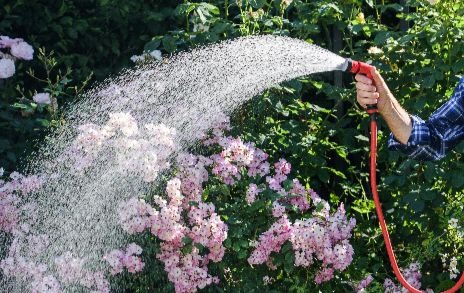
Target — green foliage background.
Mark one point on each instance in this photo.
(312, 122)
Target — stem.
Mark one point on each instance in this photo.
(327, 35)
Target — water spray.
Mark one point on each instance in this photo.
(356, 67)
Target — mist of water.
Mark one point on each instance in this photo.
(188, 92)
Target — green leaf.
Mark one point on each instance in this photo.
(152, 45)
(186, 240)
(323, 175)
(211, 8)
(457, 179)
(429, 81)
(362, 137)
(417, 205)
(336, 172)
(169, 44)
(289, 263)
(43, 122)
(394, 6)
(363, 206)
(242, 254)
(20, 106)
(236, 246)
(428, 195)
(287, 184)
(185, 8)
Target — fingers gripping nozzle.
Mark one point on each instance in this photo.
(356, 67)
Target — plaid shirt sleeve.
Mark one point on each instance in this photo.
(432, 139)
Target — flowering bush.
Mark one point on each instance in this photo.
(412, 276)
(192, 234)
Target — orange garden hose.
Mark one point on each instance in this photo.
(356, 67)
(383, 225)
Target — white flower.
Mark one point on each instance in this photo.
(2, 171)
(22, 50)
(200, 27)
(137, 58)
(452, 268)
(433, 2)
(453, 223)
(374, 50)
(287, 2)
(157, 55)
(7, 68)
(267, 280)
(42, 98)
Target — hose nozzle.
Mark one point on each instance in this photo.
(356, 67)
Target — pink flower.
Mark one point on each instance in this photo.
(363, 284)
(22, 50)
(46, 284)
(324, 275)
(42, 98)
(271, 241)
(7, 42)
(7, 68)
(252, 192)
(278, 210)
(282, 167)
(120, 259)
(412, 276)
(135, 215)
(69, 268)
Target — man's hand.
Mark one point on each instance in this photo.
(373, 91)
(377, 92)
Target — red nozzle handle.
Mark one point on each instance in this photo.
(364, 68)
(361, 67)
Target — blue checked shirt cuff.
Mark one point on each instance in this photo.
(420, 136)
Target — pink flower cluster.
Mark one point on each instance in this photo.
(361, 286)
(129, 258)
(18, 49)
(19, 264)
(318, 238)
(10, 198)
(411, 274)
(323, 237)
(203, 229)
(135, 215)
(71, 270)
(17, 219)
(252, 193)
(271, 241)
(235, 155)
(142, 151)
(42, 98)
(192, 173)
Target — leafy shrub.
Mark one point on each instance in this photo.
(73, 42)
(323, 134)
(315, 125)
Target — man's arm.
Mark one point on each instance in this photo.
(398, 120)
(419, 139)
